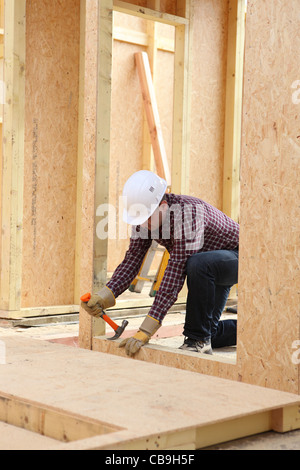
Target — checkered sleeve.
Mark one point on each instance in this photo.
(127, 271)
(172, 282)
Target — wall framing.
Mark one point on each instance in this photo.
(90, 327)
(13, 269)
(267, 361)
(183, 24)
(180, 168)
(269, 273)
(23, 147)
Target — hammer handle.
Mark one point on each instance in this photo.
(110, 322)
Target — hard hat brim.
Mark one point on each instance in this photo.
(135, 220)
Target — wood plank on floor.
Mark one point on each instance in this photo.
(153, 406)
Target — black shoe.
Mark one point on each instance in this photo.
(202, 347)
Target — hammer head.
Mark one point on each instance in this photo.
(119, 331)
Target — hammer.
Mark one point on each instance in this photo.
(118, 329)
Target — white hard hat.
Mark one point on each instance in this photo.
(142, 194)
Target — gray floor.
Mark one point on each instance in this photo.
(266, 441)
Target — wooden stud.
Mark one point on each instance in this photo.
(79, 199)
(182, 96)
(148, 156)
(39, 311)
(103, 130)
(144, 39)
(286, 419)
(152, 114)
(13, 156)
(48, 421)
(2, 14)
(101, 147)
(233, 119)
(1, 97)
(238, 428)
(105, 34)
(85, 233)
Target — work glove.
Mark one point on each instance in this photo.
(147, 329)
(99, 302)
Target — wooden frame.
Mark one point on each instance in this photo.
(13, 178)
(12, 228)
(233, 120)
(257, 361)
(268, 269)
(182, 85)
(88, 328)
(269, 331)
(13, 156)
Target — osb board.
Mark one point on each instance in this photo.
(127, 121)
(208, 69)
(14, 438)
(171, 357)
(119, 391)
(51, 133)
(269, 320)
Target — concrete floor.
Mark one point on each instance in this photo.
(266, 441)
(67, 333)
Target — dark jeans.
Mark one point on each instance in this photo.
(210, 276)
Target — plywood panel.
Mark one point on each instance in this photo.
(70, 382)
(208, 70)
(14, 438)
(52, 75)
(270, 224)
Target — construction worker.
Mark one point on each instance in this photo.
(203, 247)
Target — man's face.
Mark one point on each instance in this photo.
(157, 219)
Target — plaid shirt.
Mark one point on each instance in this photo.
(193, 226)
